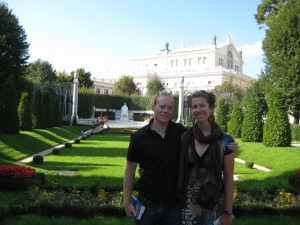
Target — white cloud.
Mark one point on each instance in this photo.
(249, 50)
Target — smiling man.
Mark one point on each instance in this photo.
(155, 147)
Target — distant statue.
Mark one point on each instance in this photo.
(124, 113)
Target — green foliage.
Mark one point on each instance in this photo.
(24, 111)
(249, 164)
(14, 47)
(236, 120)
(40, 71)
(68, 145)
(77, 141)
(252, 127)
(282, 50)
(84, 78)
(222, 113)
(56, 151)
(154, 86)
(38, 110)
(9, 109)
(277, 131)
(63, 77)
(125, 85)
(38, 159)
(85, 102)
(295, 128)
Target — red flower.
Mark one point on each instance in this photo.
(19, 173)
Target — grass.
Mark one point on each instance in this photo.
(283, 161)
(100, 161)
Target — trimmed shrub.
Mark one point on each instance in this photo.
(38, 111)
(295, 132)
(39, 178)
(249, 164)
(236, 120)
(38, 159)
(277, 131)
(24, 111)
(77, 140)
(252, 127)
(83, 137)
(9, 108)
(56, 151)
(222, 113)
(68, 145)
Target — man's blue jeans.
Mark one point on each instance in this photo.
(159, 213)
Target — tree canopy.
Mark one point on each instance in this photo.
(40, 71)
(84, 78)
(13, 46)
(154, 86)
(125, 85)
(282, 48)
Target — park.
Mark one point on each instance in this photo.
(63, 146)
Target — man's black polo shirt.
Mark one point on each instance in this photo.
(159, 157)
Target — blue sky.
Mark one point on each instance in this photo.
(105, 35)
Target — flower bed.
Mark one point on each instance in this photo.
(15, 177)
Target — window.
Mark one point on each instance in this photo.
(190, 61)
(172, 63)
(229, 60)
(209, 82)
(221, 62)
(236, 68)
(199, 60)
(204, 60)
(185, 62)
(176, 62)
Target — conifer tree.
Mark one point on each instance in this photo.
(277, 130)
(236, 120)
(222, 113)
(8, 109)
(25, 113)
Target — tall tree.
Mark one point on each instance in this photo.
(277, 130)
(84, 78)
(236, 120)
(154, 86)
(13, 47)
(125, 85)
(40, 71)
(222, 113)
(282, 48)
(9, 108)
(254, 109)
(63, 77)
(25, 114)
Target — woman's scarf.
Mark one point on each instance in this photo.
(213, 160)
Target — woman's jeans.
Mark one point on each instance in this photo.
(159, 213)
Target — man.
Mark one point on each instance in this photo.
(156, 148)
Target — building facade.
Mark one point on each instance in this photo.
(202, 67)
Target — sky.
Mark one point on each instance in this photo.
(103, 36)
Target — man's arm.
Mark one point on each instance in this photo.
(128, 187)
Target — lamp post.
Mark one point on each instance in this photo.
(181, 102)
(74, 116)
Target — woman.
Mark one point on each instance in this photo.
(205, 181)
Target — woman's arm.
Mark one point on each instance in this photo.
(228, 187)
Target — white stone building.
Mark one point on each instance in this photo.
(103, 86)
(203, 67)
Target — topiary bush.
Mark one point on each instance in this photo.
(249, 164)
(252, 127)
(222, 113)
(38, 159)
(68, 145)
(236, 120)
(56, 151)
(77, 141)
(277, 130)
(83, 137)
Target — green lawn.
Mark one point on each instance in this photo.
(100, 161)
